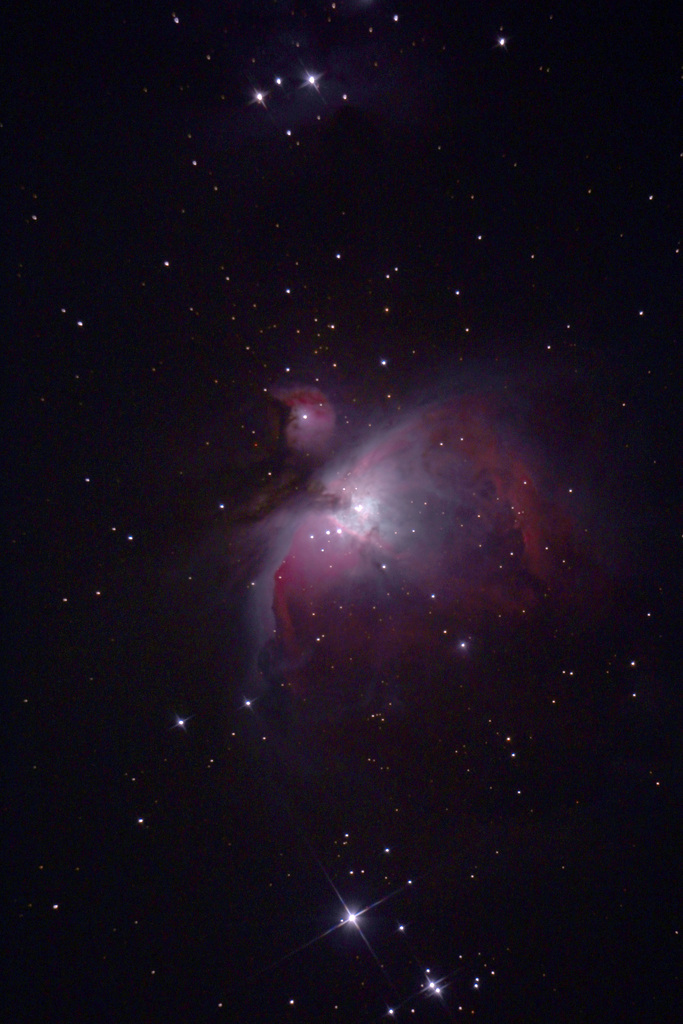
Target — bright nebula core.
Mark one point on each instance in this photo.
(381, 562)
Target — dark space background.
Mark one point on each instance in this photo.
(470, 205)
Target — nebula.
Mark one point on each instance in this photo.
(381, 564)
(309, 419)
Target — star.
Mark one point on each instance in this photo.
(181, 723)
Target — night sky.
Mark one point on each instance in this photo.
(344, 510)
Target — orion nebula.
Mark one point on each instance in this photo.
(384, 555)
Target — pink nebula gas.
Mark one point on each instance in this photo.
(310, 420)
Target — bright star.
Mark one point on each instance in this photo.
(312, 80)
(181, 723)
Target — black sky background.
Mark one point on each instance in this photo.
(158, 872)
